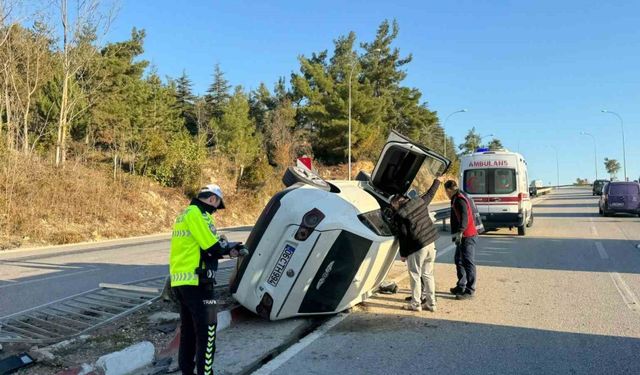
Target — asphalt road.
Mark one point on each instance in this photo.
(562, 300)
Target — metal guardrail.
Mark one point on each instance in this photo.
(78, 315)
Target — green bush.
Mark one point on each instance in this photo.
(182, 165)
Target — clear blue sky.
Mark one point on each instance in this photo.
(534, 73)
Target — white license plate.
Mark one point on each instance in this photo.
(617, 204)
(281, 265)
(483, 217)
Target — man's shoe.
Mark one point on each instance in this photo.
(457, 290)
(429, 307)
(464, 296)
(422, 301)
(412, 307)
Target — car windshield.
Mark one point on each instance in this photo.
(490, 181)
(624, 189)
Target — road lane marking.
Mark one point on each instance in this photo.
(602, 251)
(281, 359)
(444, 251)
(594, 230)
(628, 296)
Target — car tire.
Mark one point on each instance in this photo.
(600, 211)
(294, 175)
(522, 230)
(530, 222)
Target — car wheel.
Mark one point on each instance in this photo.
(600, 211)
(294, 175)
(522, 230)
(530, 222)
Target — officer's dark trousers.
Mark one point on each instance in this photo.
(465, 265)
(198, 315)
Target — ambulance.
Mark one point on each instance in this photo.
(498, 183)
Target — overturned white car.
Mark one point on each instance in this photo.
(320, 247)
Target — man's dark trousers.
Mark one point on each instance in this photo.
(199, 318)
(465, 265)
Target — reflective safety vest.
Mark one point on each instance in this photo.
(193, 230)
(471, 225)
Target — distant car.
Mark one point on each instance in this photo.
(320, 247)
(620, 197)
(537, 184)
(597, 186)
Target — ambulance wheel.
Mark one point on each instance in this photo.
(294, 175)
(522, 230)
(530, 222)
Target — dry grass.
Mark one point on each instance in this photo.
(40, 204)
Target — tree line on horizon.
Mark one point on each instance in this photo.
(64, 96)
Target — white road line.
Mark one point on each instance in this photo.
(594, 230)
(628, 297)
(281, 359)
(444, 251)
(602, 251)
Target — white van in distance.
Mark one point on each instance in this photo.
(497, 182)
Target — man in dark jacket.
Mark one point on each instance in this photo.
(465, 235)
(417, 235)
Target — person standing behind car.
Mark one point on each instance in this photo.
(417, 235)
(464, 235)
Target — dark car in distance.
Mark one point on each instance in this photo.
(598, 185)
(620, 197)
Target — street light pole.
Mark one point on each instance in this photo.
(557, 167)
(595, 151)
(444, 135)
(624, 152)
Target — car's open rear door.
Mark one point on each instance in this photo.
(400, 162)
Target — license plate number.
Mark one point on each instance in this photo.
(281, 265)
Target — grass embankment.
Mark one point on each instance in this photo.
(43, 205)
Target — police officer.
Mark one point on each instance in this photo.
(195, 250)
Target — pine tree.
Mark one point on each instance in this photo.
(471, 142)
(495, 144)
(237, 136)
(217, 94)
(185, 102)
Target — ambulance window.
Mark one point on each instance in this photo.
(504, 181)
(475, 181)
